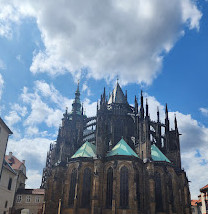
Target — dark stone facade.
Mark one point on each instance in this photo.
(117, 184)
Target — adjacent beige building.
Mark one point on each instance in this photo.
(29, 201)
(13, 178)
(7, 174)
(4, 135)
(7, 188)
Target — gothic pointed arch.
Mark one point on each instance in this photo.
(72, 187)
(124, 188)
(138, 190)
(86, 188)
(109, 189)
(170, 192)
(158, 192)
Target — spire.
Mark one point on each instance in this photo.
(158, 115)
(147, 109)
(104, 96)
(142, 106)
(76, 105)
(136, 105)
(166, 111)
(167, 124)
(117, 95)
(82, 109)
(176, 125)
(97, 106)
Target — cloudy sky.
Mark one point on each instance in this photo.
(158, 46)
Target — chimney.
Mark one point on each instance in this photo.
(10, 155)
(23, 161)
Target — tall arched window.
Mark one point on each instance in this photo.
(137, 190)
(124, 188)
(158, 192)
(86, 188)
(109, 192)
(72, 187)
(170, 192)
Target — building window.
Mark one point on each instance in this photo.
(10, 184)
(72, 187)
(86, 188)
(158, 192)
(6, 203)
(28, 199)
(19, 198)
(137, 190)
(109, 192)
(170, 192)
(124, 188)
(37, 199)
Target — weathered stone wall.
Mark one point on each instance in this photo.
(59, 185)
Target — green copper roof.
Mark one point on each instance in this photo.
(122, 148)
(86, 150)
(157, 155)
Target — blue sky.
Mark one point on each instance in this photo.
(153, 45)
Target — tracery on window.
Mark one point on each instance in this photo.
(109, 190)
(124, 188)
(170, 192)
(72, 187)
(86, 189)
(158, 192)
(138, 190)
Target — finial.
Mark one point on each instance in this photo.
(176, 125)
(147, 108)
(158, 114)
(141, 99)
(166, 111)
(82, 109)
(117, 79)
(78, 84)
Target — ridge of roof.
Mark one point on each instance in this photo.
(86, 150)
(122, 148)
(157, 155)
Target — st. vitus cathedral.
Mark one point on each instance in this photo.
(119, 161)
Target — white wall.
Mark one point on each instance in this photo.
(5, 194)
(3, 143)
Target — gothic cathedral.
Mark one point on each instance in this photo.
(119, 161)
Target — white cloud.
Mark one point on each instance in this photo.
(33, 151)
(11, 13)
(12, 118)
(86, 88)
(34, 180)
(109, 38)
(90, 108)
(41, 111)
(204, 111)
